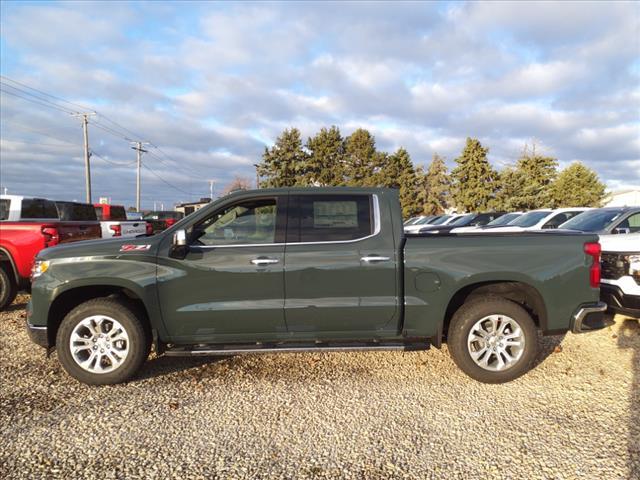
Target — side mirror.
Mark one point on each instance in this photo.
(179, 247)
(180, 238)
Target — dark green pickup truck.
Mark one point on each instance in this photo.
(325, 269)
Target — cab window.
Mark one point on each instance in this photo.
(248, 222)
(330, 218)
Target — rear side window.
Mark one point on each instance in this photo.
(99, 213)
(118, 213)
(38, 208)
(4, 208)
(632, 223)
(76, 212)
(331, 218)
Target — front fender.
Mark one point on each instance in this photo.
(137, 275)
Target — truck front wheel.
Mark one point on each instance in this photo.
(8, 286)
(102, 342)
(492, 339)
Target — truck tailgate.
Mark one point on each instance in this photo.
(76, 231)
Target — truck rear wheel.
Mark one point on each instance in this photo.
(102, 342)
(492, 339)
(8, 286)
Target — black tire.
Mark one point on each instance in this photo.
(466, 317)
(8, 286)
(139, 342)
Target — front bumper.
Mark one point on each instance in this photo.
(618, 301)
(38, 334)
(590, 317)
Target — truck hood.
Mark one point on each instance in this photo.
(102, 248)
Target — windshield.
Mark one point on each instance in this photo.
(530, 219)
(74, 212)
(592, 220)
(504, 219)
(463, 220)
(422, 221)
(441, 220)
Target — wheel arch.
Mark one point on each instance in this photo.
(522, 293)
(70, 298)
(6, 257)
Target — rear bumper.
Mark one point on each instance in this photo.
(589, 317)
(620, 302)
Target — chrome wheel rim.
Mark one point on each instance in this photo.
(496, 342)
(99, 344)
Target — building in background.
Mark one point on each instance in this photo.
(191, 207)
(622, 198)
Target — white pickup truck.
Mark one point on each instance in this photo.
(114, 223)
(620, 282)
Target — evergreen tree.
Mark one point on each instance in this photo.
(577, 186)
(510, 184)
(362, 162)
(326, 158)
(434, 187)
(284, 164)
(474, 180)
(536, 173)
(397, 171)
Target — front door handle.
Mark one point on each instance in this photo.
(374, 259)
(264, 261)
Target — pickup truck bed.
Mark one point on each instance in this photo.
(313, 269)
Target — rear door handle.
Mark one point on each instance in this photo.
(374, 259)
(264, 261)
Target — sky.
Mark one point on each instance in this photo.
(209, 85)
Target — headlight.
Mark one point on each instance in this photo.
(39, 267)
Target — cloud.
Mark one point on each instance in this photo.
(212, 84)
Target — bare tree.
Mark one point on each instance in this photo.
(238, 183)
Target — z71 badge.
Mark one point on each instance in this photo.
(134, 248)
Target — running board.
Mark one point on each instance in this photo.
(204, 350)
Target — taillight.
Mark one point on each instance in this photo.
(149, 229)
(51, 236)
(593, 249)
(116, 229)
(169, 221)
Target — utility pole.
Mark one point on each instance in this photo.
(211, 182)
(257, 175)
(139, 151)
(87, 153)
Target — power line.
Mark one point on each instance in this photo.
(42, 104)
(27, 129)
(42, 144)
(164, 181)
(43, 93)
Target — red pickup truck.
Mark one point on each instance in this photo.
(27, 225)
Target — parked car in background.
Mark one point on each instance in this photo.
(134, 215)
(467, 220)
(438, 220)
(620, 283)
(538, 220)
(28, 225)
(114, 223)
(161, 220)
(605, 221)
(311, 269)
(501, 221)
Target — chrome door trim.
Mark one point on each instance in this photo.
(377, 227)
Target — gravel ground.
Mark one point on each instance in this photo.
(334, 415)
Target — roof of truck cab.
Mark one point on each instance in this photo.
(311, 190)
